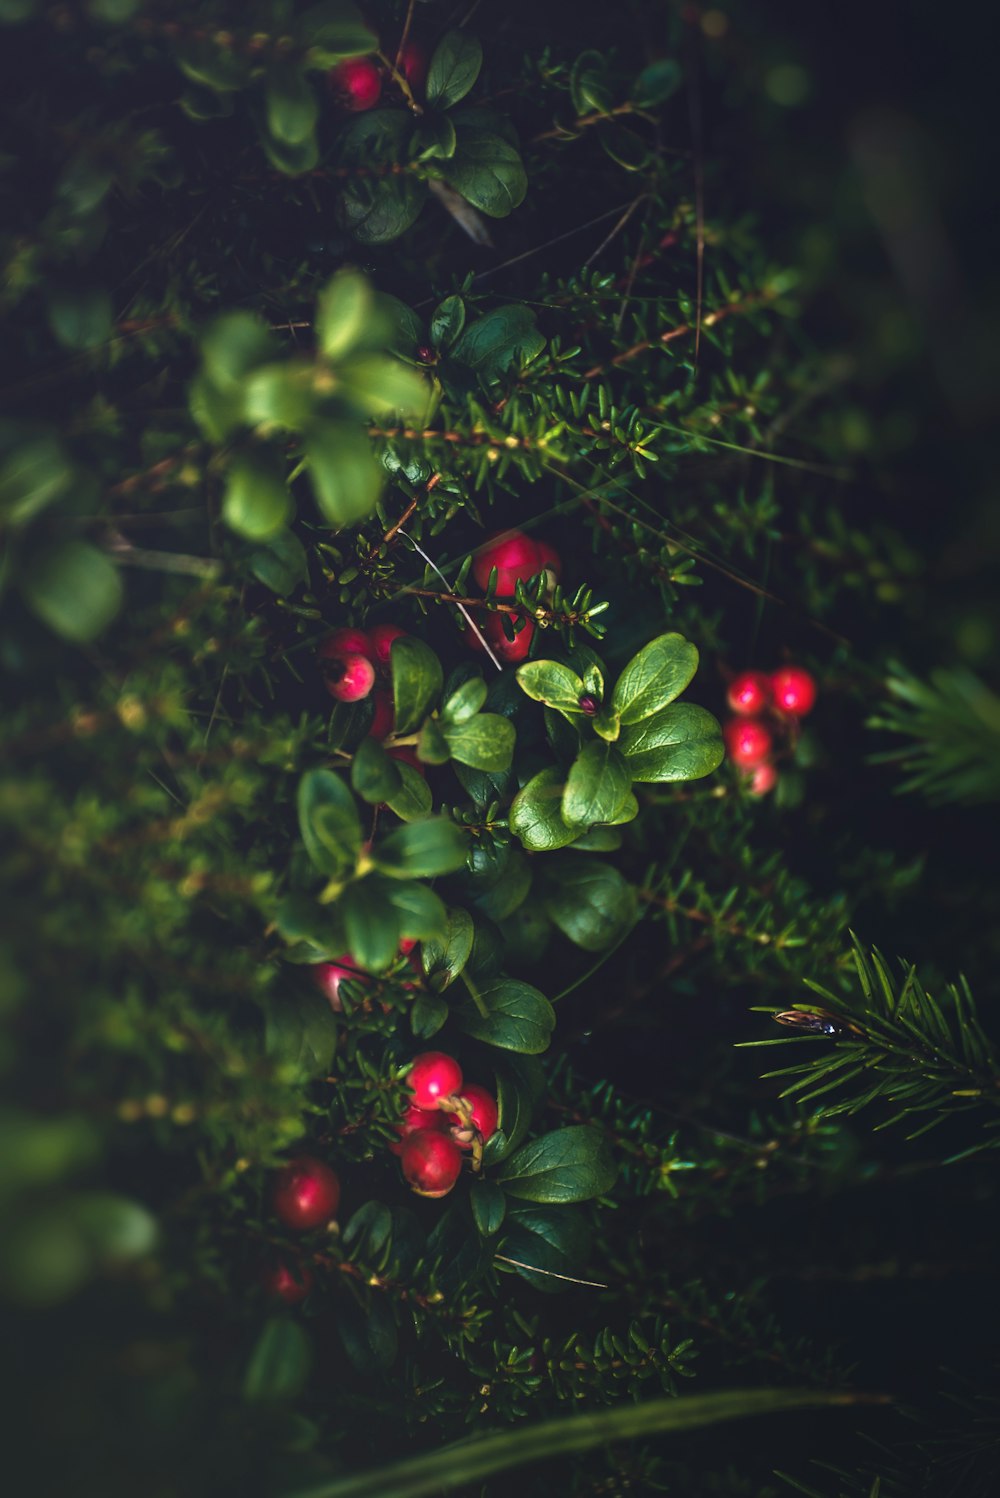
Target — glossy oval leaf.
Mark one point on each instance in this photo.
(511, 1015)
(485, 742)
(279, 1364)
(328, 822)
(596, 786)
(444, 956)
(536, 813)
(453, 69)
(590, 901)
(683, 742)
(417, 679)
(568, 1165)
(654, 677)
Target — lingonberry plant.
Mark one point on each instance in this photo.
(412, 449)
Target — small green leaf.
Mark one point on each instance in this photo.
(291, 104)
(536, 815)
(422, 850)
(465, 702)
(488, 1205)
(413, 798)
(517, 1017)
(499, 891)
(500, 338)
(431, 746)
(590, 901)
(301, 1031)
(588, 83)
(654, 677)
(485, 742)
(345, 477)
(280, 1362)
(280, 396)
(568, 1165)
(553, 1239)
(329, 822)
(624, 146)
(447, 322)
(73, 588)
(487, 171)
(683, 742)
(369, 1232)
(233, 345)
(434, 138)
(281, 564)
(378, 385)
(657, 83)
(427, 1014)
(32, 476)
(421, 914)
(453, 69)
(444, 957)
(596, 786)
(331, 30)
(343, 312)
(81, 318)
(371, 924)
(417, 679)
(256, 503)
(521, 1085)
(374, 776)
(549, 682)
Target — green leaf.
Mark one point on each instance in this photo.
(301, 1031)
(422, 850)
(427, 1014)
(329, 822)
(378, 385)
(624, 146)
(343, 313)
(421, 914)
(299, 918)
(549, 682)
(369, 1334)
(521, 1085)
(374, 776)
(73, 588)
(280, 396)
(217, 412)
(281, 564)
(257, 502)
(466, 1463)
(488, 1205)
(654, 677)
(292, 158)
(380, 208)
(279, 1364)
(596, 786)
(498, 892)
(345, 477)
(464, 703)
(454, 68)
(683, 742)
(536, 813)
(546, 1238)
(431, 746)
(588, 83)
(372, 925)
(590, 901)
(500, 338)
(224, 69)
(511, 1015)
(568, 1165)
(332, 30)
(291, 103)
(369, 1232)
(33, 476)
(445, 956)
(447, 322)
(434, 138)
(487, 171)
(657, 83)
(233, 345)
(485, 742)
(413, 799)
(417, 679)
(81, 319)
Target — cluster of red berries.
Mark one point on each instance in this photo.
(445, 1116)
(305, 1195)
(788, 693)
(517, 558)
(356, 83)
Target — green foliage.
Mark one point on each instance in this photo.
(953, 722)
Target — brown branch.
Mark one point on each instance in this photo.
(563, 132)
(732, 309)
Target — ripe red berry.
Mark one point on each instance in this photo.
(290, 1283)
(513, 554)
(344, 642)
(305, 1193)
(381, 638)
(350, 678)
(748, 741)
(431, 1162)
(385, 714)
(408, 755)
(413, 65)
(484, 1116)
(794, 690)
(433, 1077)
(356, 83)
(328, 977)
(504, 649)
(749, 693)
(763, 778)
(417, 1118)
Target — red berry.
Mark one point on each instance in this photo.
(354, 679)
(305, 1193)
(794, 690)
(408, 755)
(356, 83)
(328, 977)
(381, 638)
(484, 1116)
(288, 1283)
(431, 1162)
(749, 693)
(385, 714)
(417, 1118)
(747, 740)
(434, 1076)
(504, 649)
(513, 554)
(406, 945)
(413, 65)
(550, 559)
(344, 642)
(763, 778)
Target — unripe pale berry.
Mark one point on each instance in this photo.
(513, 554)
(417, 1118)
(794, 690)
(763, 778)
(355, 679)
(431, 1162)
(483, 1107)
(747, 741)
(505, 650)
(433, 1077)
(749, 693)
(356, 83)
(381, 637)
(305, 1193)
(385, 714)
(288, 1283)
